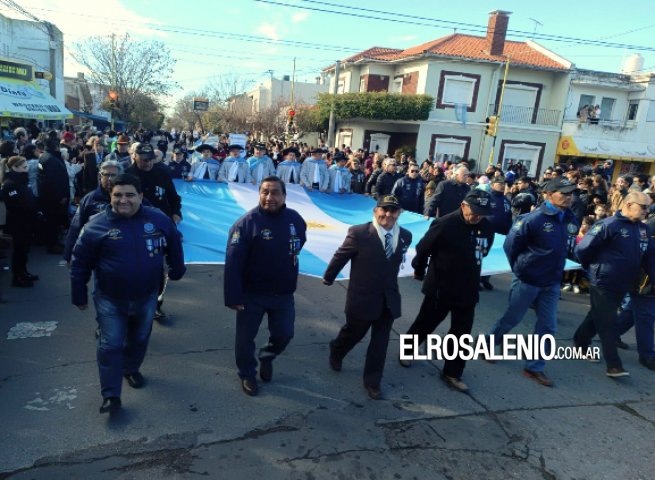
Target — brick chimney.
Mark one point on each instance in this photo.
(496, 31)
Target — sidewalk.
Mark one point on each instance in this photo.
(193, 421)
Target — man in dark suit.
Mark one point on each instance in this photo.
(375, 250)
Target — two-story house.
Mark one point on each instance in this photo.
(611, 116)
(465, 75)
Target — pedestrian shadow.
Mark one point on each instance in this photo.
(118, 421)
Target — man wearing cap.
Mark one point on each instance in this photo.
(91, 160)
(125, 247)
(234, 168)
(179, 167)
(452, 250)
(289, 169)
(449, 194)
(261, 274)
(314, 172)
(537, 247)
(615, 251)
(207, 167)
(339, 175)
(122, 154)
(260, 164)
(376, 251)
(410, 190)
(69, 141)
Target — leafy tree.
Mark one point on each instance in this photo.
(137, 68)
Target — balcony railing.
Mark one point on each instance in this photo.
(528, 115)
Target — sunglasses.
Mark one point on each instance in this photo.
(109, 175)
(413, 171)
(643, 207)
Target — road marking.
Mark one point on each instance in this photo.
(31, 330)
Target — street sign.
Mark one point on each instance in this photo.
(200, 104)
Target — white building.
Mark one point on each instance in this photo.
(277, 93)
(624, 128)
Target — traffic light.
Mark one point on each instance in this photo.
(492, 126)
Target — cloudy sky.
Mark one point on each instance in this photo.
(251, 38)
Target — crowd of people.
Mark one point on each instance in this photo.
(71, 191)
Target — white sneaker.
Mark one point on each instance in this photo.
(566, 287)
(576, 289)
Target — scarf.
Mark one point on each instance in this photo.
(234, 169)
(338, 178)
(317, 170)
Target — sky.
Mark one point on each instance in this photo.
(254, 39)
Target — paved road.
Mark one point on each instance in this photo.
(193, 421)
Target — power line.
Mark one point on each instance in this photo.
(475, 28)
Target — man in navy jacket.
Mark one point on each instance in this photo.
(124, 247)
(537, 247)
(614, 252)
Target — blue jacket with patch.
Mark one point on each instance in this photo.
(614, 251)
(501, 221)
(539, 243)
(262, 254)
(126, 254)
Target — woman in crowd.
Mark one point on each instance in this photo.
(22, 212)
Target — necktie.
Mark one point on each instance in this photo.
(388, 244)
(291, 176)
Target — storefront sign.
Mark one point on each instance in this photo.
(18, 71)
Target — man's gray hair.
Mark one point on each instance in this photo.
(111, 164)
(389, 159)
(458, 168)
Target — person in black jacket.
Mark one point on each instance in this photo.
(159, 190)
(54, 193)
(449, 194)
(22, 213)
(387, 179)
(410, 190)
(373, 179)
(455, 245)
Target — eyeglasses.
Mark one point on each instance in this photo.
(413, 171)
(643, 207)
(108, 175)
(389, 209)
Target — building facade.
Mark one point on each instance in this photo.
(465, 74)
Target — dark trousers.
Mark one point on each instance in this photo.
(351, 334)
(601, 319)
(281, 315)
(431, 314)
(55, 217)
(21, 247)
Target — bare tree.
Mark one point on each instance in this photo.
(183, 116)
(132, 68)
(223, 87)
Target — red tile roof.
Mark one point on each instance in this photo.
(464, 46)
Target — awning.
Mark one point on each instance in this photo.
(600, 148)
(28, 100)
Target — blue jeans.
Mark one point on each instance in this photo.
(281, 313)
(125, 328)
(640, 312)
(521, 296)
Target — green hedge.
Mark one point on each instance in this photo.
(376, 106)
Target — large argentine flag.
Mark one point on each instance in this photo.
(210, 209)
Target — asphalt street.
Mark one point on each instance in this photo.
(193, 421)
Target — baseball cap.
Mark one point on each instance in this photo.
(123, 139)
(388, 201)
(145, 150)
(499, 179)
(68, 136)
(559, 184)
(480, 202)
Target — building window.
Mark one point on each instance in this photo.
(458, 90)
(341, 85)
(397, 85)
(362, 84)
(527, 155)
(606, 108)
(633, 106)
(586, 101)
(651, 112)
(449, 149)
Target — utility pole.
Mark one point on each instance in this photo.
(500, 107)
(331, 135)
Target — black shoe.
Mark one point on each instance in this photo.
(249, 385)
(159, 315)
(29, 276)
(622, 345)
(373, 392)
(335, 363)
(266, 369)
(487, 284)
(111, 405)
(135, 380)
(648, 362)
(22, 282)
